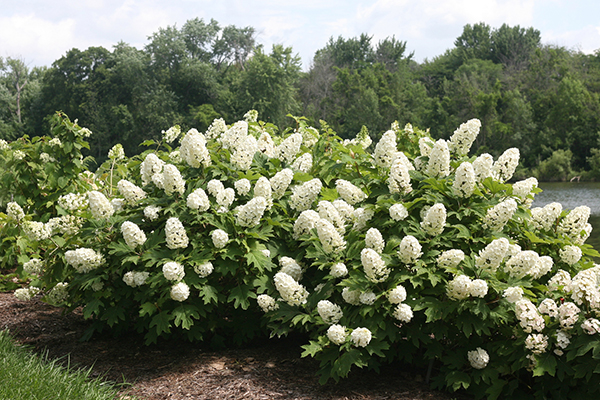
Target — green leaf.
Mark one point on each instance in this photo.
(161, 322)
(546, 363)
(241, 295)
(92, 307)
(209, 294)
(185, 315)
(148, 309)
(311, 349)
(458, 379)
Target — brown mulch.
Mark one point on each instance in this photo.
(271, 369)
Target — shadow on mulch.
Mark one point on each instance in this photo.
(265, 369)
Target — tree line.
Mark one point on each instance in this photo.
(543, 99)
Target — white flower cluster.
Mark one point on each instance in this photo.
(306, 221)
(478, 358)
(537, 343)
(410, 249)
(483, 166)
(397, 295)
(560, 280)
(303, 163)
(329, 312)
(193, 149)
(374, 266)
(328, 211)
(171, 134)
(513, 294)
(464, 180)
(374, 240)
(310, 135)
(562, 341)
(58, 294)
(402, 312)
(337, 334)
(83, 259)
(262, 188)
(224, 199)
(151, 166)
(14, 211)
(135, 278)
(349, 192)
(462, 287)
(266, 303)
(398, 212)
(216, 129)
(291, 291)
(180, 291)
(585, 287)
(243, 154)
(439, 160)
(26, 294)
(219, 238)
(18, 155)
(385, 150)
(242, 186)
(116, 153)
(368, 297)
(198, 200)
(360, 217)
(291, 267)
(266, 145)
(450, 259)
(528, 316)
(498, 215)
(233, 135)
(100, 207)
(175, 234)
(173, 271)
(490, 258)
(575, 222)
(361, 337)
(73, 201)
(464, 136)
(250, 214)
(399, 178)
(435, 220)
(35, 266)
(117, 204)
(548, 307)
(280, 182)
(151, 212)
(37, 231)
(544, 218)
(351, 296)
(55, 142)
(132, 234)
(570, 254)
(568, 314)
(523, 188)
(289, 148)
(330, 238)
(591, 326)
(203, 270)
(46, 158)
(345, 210)
(338, 270)
(521, 264)
(172, 180)
(130, 191)
(504, 168)
(304, 195)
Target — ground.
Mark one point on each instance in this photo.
(270, 369)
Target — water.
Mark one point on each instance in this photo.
(571, 195)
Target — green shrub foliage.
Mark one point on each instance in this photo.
(408, 249)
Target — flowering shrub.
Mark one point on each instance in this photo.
(412, 250)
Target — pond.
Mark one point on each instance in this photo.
(571, 195)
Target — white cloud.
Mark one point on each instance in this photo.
(586, 39)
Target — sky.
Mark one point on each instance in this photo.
(42, 31)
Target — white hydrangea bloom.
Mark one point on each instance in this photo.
(214, 187)
(478, 358)
(345, 210)
(368, 298)
(193, 149)
(528, 316)
(73, 201)
(304, 195)
(289, 148)
(175, 157)
(338, 270)
(397, 295)
(231, 137)
(498, 215)
(493, 254)
(290, 291)
(464, 136)
(483, 167)
(216, 129)
(561, 278)
(266, 145)
(361, 337)
(262, 188)
(55, 142)
(374, 240)
(173, 271)
(171, 134)
(542, 267)
(478, 288)
(37, 231)
(574, 222)
(329, 212)
(280, 182)
(203, 270)
(243, 154)
(568, 314)
(310, 135)
(562, 341)
(464, 180)
(439, 160)
(65, 224)
(135, 278)
(132, 234)
(435, 220)
(35, 266)
(152, 165)
(399, 178)
(100, 207)
(224, 199)
(151, 212)
(172, 180)
(58, 294)
(303, 163)
(374, 266)
(537, 343)
(83, 259)
(548, 307)
(180, 291)
(398, 212)
(219, 238)
(459, 288)
(450, 258)
(291, 267)
(330, 238)
(585, 287)
(130, 191)
(26, 294)
(425, 146)
(403, 313)
(18, 155)
(385, 150)
(504, 168)
(118, 205)
(331, 313)
(590, 326)
(306, 221)
(242, 186)
(198, 200)
(46, 158)
(521, 264)
(351, 296)
(266, 303)
(513, 294)
(175, 233)
(544, 218)
(251, 213)
(337, 334)
(116, 153)
(360, 217)
(350, 193)
(523, 188)
(570, 254)
(410, 250)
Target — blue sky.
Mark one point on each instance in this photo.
(42, 31)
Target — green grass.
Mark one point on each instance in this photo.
(26, 376)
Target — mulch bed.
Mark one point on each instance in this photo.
(269, 369)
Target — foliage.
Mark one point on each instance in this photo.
(411, 250)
